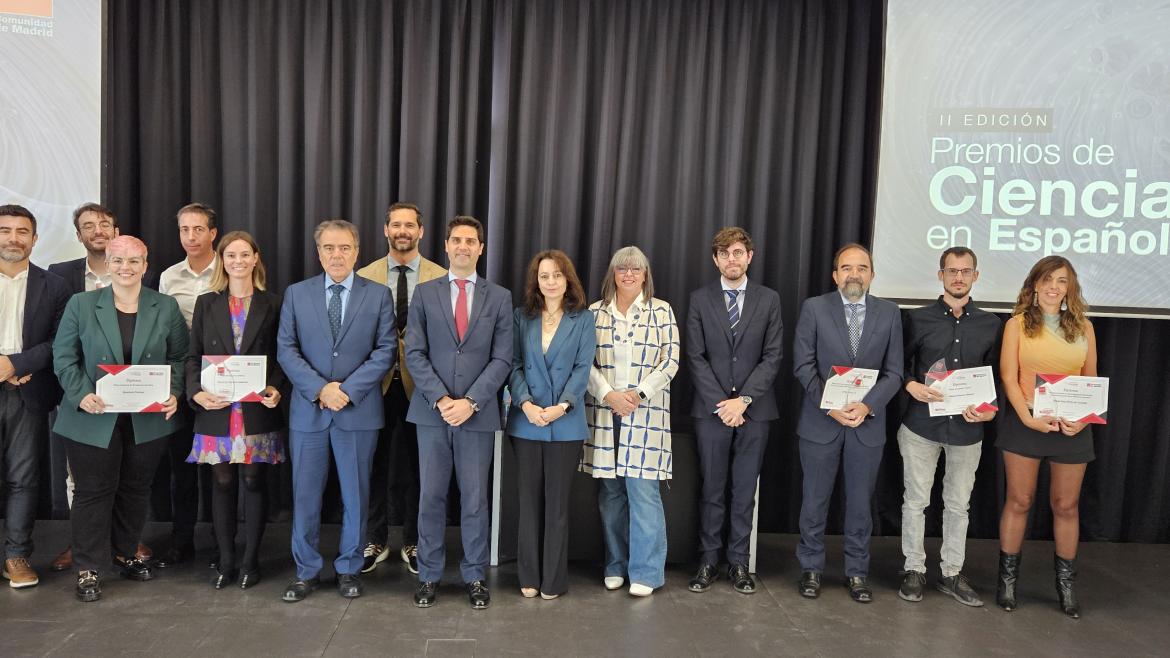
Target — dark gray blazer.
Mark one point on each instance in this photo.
(822, 341)
(747, 363)
(441, 364)
(73, 271)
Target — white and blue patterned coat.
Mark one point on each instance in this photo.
(643, 449)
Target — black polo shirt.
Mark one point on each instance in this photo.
(932, 333)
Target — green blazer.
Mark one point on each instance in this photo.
(88, 336)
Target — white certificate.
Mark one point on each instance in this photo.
(133, 389)
(236, 378)
(961, 389)
(846, 386)
(1071, 397)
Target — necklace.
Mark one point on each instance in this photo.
(550, 319)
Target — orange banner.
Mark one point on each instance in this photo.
(27, 7)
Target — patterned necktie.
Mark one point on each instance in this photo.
(400, 304)
(335, 309)
(461, 308)
(732, 309)
(854, 328)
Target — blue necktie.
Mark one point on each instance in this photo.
(854, 328)
(335, 309)
(732, 309)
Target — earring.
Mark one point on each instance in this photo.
(1063, 305)
(1035, 299)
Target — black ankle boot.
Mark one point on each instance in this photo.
(1009, 572)
(1066, 580)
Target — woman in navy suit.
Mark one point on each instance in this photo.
(554, 345)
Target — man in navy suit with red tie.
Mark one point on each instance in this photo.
(459, 351)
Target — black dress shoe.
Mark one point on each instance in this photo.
(134, 569)
(741, 580)
(424, 596)
(298, 589)
(810, 584)
(706, 575)
(222, 579)
(249, 579)
(175, 555)
(859, 589)
(349, 585)
(88, 586)
(478, 595)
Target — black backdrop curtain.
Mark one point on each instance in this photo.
(583, 125)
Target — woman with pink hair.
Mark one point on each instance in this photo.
(113, 456)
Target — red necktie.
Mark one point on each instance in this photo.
(461, 308)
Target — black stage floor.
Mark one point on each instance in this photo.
(1122, 588)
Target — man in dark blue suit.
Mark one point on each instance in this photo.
(846, 327)
(336, 343)
(31, 303)
(459, 351)
(735, 340)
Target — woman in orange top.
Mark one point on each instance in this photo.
(1047, 334)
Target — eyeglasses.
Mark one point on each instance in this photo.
(118, 261)
(628, 270)
(736, 254)
(966, 272)
(90, 227)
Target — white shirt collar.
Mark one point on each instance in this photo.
(741, 287)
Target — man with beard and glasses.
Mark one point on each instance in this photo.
(31, 303)
(394, 475)
(845, 328)
(95, 225)
(950, 334)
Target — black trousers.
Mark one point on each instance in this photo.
(394, 473)
(544, 478)
(111, 494)
(735, 454)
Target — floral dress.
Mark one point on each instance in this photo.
(239, 448)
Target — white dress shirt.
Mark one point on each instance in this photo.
(12, 296)
(455, 291)
(93, 280)
(185, 285)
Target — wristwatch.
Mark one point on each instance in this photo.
(746, 399)
(567, 406)
(641, 395)
(474, 404)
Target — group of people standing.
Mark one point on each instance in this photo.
(394, 372)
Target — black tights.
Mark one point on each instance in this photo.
(224, 503)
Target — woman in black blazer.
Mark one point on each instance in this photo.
(238, 317)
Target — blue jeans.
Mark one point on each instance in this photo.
(635, 530)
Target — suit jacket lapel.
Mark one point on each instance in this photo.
(444, 299)
(320, 309)
(719, 302)
(107, 317)
(840, 316)
(144, 325)
(32, 300)
(477, 304)
(560, 338)
(256, 313)
(872, 318)
(749, 307)
(357, 296)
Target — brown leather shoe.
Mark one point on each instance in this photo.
(19, 573)
(143, 553)
(63, 561)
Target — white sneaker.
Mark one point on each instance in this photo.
(614, 582)
(638, 589)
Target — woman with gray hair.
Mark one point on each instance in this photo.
(628, 411)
